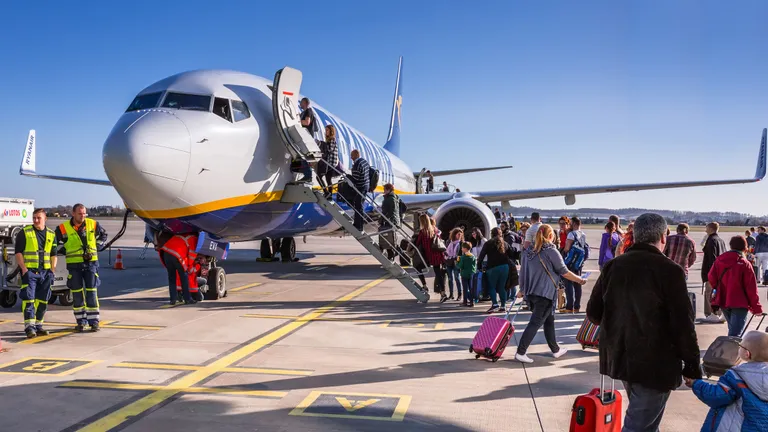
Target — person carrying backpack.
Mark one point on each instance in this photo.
(608, 244)
(575, 250)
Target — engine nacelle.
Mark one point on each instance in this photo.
(465, 211)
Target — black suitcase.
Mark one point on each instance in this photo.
(723, 353)
(692, 297)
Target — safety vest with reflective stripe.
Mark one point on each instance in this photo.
(177, 247)
(191, 242)
(74, 244)
(32, 248)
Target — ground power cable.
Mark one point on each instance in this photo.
(525, 370)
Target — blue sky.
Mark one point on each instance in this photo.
(570, 93)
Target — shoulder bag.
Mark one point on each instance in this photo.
(559, 287)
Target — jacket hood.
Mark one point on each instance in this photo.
(730, 258)
(755, 374)
(531, 252)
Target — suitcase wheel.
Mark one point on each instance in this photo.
(471, 348)
(477, 356)
(494, 360)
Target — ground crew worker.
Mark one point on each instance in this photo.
(174, 254)
(80, 236)
(193, 267)
(35, 248)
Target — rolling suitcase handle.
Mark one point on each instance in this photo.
(602, 389)
(509, 309)
(750, 322)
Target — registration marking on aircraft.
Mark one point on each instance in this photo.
(132, 411)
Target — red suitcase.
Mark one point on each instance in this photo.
(597, 411)
(588, 335)
(493, 337)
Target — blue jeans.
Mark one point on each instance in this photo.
(497, 281)
(736, 319)
(572, 294)
(466, 283)
(453, 274)
(645, 408)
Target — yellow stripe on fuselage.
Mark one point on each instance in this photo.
(211, 206)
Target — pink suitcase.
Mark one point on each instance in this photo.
(493, 337)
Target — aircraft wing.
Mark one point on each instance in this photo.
(464, 171)
(28, 166)
(425, 201)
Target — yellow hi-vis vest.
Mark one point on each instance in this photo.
(32, 249)
(74, 244)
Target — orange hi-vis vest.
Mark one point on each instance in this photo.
(177, 247)
(192, 268)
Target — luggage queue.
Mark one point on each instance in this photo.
(640, 315)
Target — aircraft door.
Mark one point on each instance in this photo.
(285, 107)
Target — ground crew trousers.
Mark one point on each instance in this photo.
(35, 292)
(83, 281)
(174, 267)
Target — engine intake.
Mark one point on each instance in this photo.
(464, 211)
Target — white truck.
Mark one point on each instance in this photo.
(15, 213)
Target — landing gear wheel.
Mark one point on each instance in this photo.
(8, 299)
(66, 299)
(288, 249)
(217, 284)
(266, 250)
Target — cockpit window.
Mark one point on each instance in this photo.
(187, 102)
(221, 109)
(240, 110)
(144, 101)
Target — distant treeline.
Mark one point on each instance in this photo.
(60, 210)
(600, 215)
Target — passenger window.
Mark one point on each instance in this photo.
(240, 110)
(221, 108)
(144, 101)
(187, 102)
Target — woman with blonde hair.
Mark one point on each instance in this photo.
(435, 258)
(452, 252)
(540, 282)
(330, 158)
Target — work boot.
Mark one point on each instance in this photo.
(30, 332)
(79, 328)
(190, 302)
(41, 331)
(95, 327)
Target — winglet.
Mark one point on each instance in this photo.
(28, 158)
(761, 157)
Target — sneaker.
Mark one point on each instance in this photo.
(561, 352)
(522, 358)
(41, 331)
(443, 299)
(30, 332)
(492, 309)
(79, 328)
(714, 319)
(190, 302)
(450, 297)
(577, 311)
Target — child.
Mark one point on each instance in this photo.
(467, 266)
(739, 400)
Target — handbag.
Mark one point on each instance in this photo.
(438, 245)
(559, 286)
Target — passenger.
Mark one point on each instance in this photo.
(430, 181)
(390, 208)
(750, 240)
(681, 249)
(478, 241)
(739, 400)
(540, 286)
(608, 244)
(530, 234)
(497, 215)
(524, 227)
(576, 239)
(617, 223)
(751, 253)
(467, 266)
(761, 253)
(445, 187)
(753, 233)
(714, 246)
(513, 239)
(416, 259)
(452, 253)
(330, 159)
(627, 240)
(458, 190)
(361, 171)
(735, 289)
(562, 234)
(426, 236)
(499, 254)
(647, 335)
(307, 117)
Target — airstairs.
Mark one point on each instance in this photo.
(305, 193)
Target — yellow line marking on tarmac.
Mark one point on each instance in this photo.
(240, 288)
(180, 367)
(287, 275)
(5, 321)
(87, 363)
(180, 385)
(317, 268)
(439, 326)
(299, 318)
(145, 387)
(57, 333)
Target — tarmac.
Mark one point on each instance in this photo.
(325, 344)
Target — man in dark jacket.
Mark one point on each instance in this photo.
(713, 248)
(390, 208)
(647, 335)
(361, 172)
(761, 254)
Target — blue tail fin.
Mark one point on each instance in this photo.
(393, 139)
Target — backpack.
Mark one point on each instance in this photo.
(373, 179)
(577, 254)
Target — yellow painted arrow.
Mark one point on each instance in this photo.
(352, 406)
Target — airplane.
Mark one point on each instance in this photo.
(206, 151)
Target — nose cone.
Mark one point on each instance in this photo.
(146, 157)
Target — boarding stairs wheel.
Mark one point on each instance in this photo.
(305, 193)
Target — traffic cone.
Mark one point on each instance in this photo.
(119, 261)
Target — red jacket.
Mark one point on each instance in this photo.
(733, 278)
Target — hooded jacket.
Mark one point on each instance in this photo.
(733, 278)
(539, 280)
(761, 243)
(739, 400)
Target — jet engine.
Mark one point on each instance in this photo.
(464, 211)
